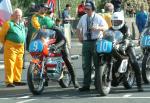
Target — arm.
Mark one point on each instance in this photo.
(3, 31)
(80, 36)
(35, 22)
(102, 25)
(79, 31)
(60, 39)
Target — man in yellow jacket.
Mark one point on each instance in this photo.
(39, 21)
(109, 9)
(12, 35)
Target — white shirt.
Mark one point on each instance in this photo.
(97, 21)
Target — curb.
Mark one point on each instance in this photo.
(15, 90)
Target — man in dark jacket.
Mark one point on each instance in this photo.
(117, 5)
(61, 43)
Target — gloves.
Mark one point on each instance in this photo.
(122, 48)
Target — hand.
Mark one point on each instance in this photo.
(95, 27)
(52, 48)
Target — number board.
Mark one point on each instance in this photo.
(36, 46)
(103, 46)
(145, 41)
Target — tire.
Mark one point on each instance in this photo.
(146, 68)
(66, 80)
(36, 85)
(102, 82)
(129, 79)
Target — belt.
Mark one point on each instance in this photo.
(92, 40)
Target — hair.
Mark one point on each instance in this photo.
(82, 1)
(109, 7)
(17, 10)
(93, 5)
(68, 5)
(58, 20)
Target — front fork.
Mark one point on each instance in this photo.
(41, 67)
(109, 61)
(110, 71)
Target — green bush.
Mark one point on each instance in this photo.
(25, 4)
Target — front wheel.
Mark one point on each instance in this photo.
(35, 83)
(146, 68)
(129, 77)
(102, 82)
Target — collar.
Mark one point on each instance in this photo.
(42, 15)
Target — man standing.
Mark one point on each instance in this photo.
(80, 9)
(117, 5)
(13, 38)
(39, 21)
(66, 14)
(89, 29)
(141, 18)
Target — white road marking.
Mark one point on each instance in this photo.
(23, 97)
(122, 97)
(4, 98)
(127, 95)
(24, 101)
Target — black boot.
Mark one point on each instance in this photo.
(84, 89)
(75, 84)
(72, 72)
(140, 89)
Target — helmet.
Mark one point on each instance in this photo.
(117, 20)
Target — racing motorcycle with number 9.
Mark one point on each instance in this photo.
(47, 63)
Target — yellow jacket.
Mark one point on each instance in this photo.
(37, 21)
(107, 17)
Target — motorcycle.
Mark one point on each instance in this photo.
(145, 44)
(112, 70)
(46, 64)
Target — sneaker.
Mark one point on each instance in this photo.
(19, 83)
(10, 85)
(84, 89)
(76, 84)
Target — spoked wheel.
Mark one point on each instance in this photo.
(102, 82)
(65, 81)
(146, 69)
(129, 77)
(35, 83)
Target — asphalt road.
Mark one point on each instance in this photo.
(55, 94)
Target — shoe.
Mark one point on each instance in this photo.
(84, 89)
(140, 89)
(24, 68)
(46, 83)
(76, 85)
(19, 83)
(10, 85)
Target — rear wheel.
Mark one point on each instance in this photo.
(65, 81)
(102, 82)
(146, 68)
(35, 83)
